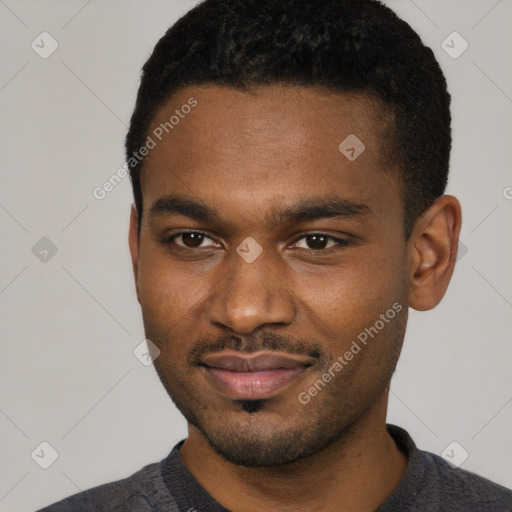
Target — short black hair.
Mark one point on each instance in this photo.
(343, 46)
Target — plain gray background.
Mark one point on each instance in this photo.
(71, 322)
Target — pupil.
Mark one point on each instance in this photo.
(195, 238)
(318, 241)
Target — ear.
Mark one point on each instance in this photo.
(133, 242)
(432, 252)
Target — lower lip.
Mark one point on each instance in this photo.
(253, 385)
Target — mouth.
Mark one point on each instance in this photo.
(254, 376)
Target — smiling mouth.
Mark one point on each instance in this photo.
(254, 376)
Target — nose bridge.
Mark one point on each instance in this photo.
(250, 293)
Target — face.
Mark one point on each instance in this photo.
(271, 266)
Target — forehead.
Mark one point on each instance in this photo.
(272, 143)
(245, 117)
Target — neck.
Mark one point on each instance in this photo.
(357, 471)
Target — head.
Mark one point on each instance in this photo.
(288, 201)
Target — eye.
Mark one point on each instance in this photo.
(320, 242)
(190, 240)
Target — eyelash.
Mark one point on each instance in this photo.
(340, 242)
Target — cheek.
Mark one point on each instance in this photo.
(356, 290)
(164, 289)
(345, 307)
(168, 302)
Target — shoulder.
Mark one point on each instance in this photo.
(143, 491)
(432, 484)
(464, 488)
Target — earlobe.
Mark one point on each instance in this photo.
(432, 253)
(133, 242)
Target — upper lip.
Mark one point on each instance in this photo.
(254, 362)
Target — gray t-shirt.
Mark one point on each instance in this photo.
(430, 484)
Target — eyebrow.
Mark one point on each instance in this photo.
(175, 205)
(313, 209)
(304, 210)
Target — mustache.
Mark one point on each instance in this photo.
(267, 341)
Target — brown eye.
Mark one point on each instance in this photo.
(319, 242)
(190, 239)
(316, 241)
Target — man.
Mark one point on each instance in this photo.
(288, 161)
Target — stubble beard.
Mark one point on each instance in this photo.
(258, 436)
(251, 443)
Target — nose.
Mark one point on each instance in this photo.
(248, 296)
